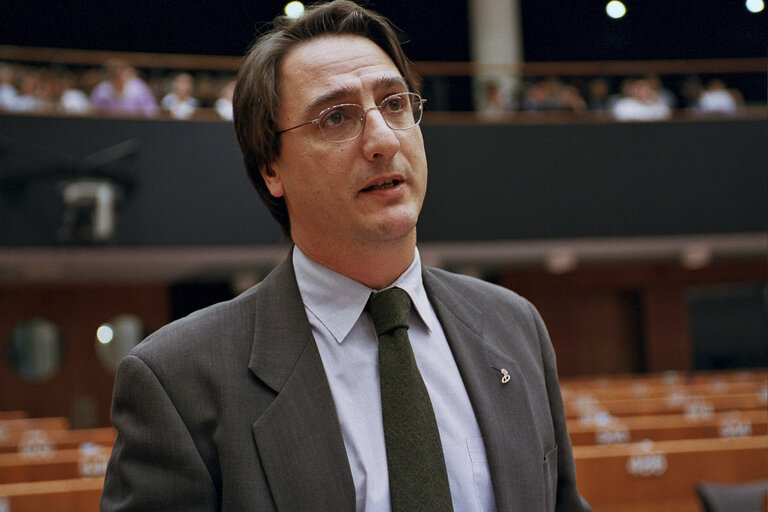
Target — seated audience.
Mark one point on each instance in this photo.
(73, 100)
(8, 91)
(224, 103)
(553, 94)
(208, 88)
(640, 102)
(541, 96)
(57, 89)
(123, 92)
(180, 102)
(569, 98)
(599, 94)
(667, 96)
(493, 101)
(690, 92)
(26, 100)
(717, 98)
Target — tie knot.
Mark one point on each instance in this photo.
(389, 309)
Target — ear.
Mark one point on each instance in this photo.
(272, 180)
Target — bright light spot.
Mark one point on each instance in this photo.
(294, 9)
(615, 9)
(755, 6)
(105, 333)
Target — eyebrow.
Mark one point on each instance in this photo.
(345, 91)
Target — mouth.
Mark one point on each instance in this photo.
(382, 185)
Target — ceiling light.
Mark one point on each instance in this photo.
(615, 9)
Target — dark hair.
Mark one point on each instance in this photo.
(256, 100)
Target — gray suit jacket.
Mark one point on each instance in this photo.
(230, 407)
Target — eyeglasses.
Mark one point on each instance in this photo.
(341, 123)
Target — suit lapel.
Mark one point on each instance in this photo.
(502, 410)
(298, 437)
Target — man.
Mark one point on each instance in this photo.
(272, 401)
(123, 92)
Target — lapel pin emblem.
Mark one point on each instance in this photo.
(504, 374)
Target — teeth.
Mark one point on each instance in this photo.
(386, 184)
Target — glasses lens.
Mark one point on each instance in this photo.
(342, 122)
(401, 111)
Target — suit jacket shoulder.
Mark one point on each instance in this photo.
(218, 411)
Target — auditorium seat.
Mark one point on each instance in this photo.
(743, 497)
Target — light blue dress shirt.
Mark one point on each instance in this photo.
(349, 350)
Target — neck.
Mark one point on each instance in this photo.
(376, 267)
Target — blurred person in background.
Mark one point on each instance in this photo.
(493, 100)
(180, 102)
(123, 92)
(224, 104)
(598, 94)
(8, 92)
(207, 88)
(640, 102)
(553, 94)
(690, 92)
(540, 96)
(717, 98)
(26, 100)
(667, 96)
(73, 100)
(569, 98)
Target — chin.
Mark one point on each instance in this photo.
(395, 229)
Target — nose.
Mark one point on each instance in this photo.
(379, 140)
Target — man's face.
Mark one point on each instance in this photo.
(333, 190)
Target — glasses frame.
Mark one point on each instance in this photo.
(420, 102)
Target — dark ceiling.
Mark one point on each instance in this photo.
(435, 29)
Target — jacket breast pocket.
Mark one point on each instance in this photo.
(550, 478)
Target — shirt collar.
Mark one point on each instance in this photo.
(337, 300)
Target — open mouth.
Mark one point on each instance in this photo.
(382, 185)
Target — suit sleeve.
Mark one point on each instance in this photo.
(568, 498)
(155, 464)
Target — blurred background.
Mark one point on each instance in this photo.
(606, 160)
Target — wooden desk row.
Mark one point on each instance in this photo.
(637, 477)
(669, 427)
(71, 495)
(13, 415)
(58, 439)
(694, 434)
(663, 380)
(643, 390)
(24, 424)
(668, 405)
(661, 476)
(54, 465)
(46, 465)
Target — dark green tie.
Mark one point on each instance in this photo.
(418, 480)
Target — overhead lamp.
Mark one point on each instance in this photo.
(294, 9)
(615, 9)
(755, 6)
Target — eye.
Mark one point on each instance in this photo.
(334, 118)
(395, 103)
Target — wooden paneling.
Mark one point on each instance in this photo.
(82, 389)
(666, 328)
(609, 319)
